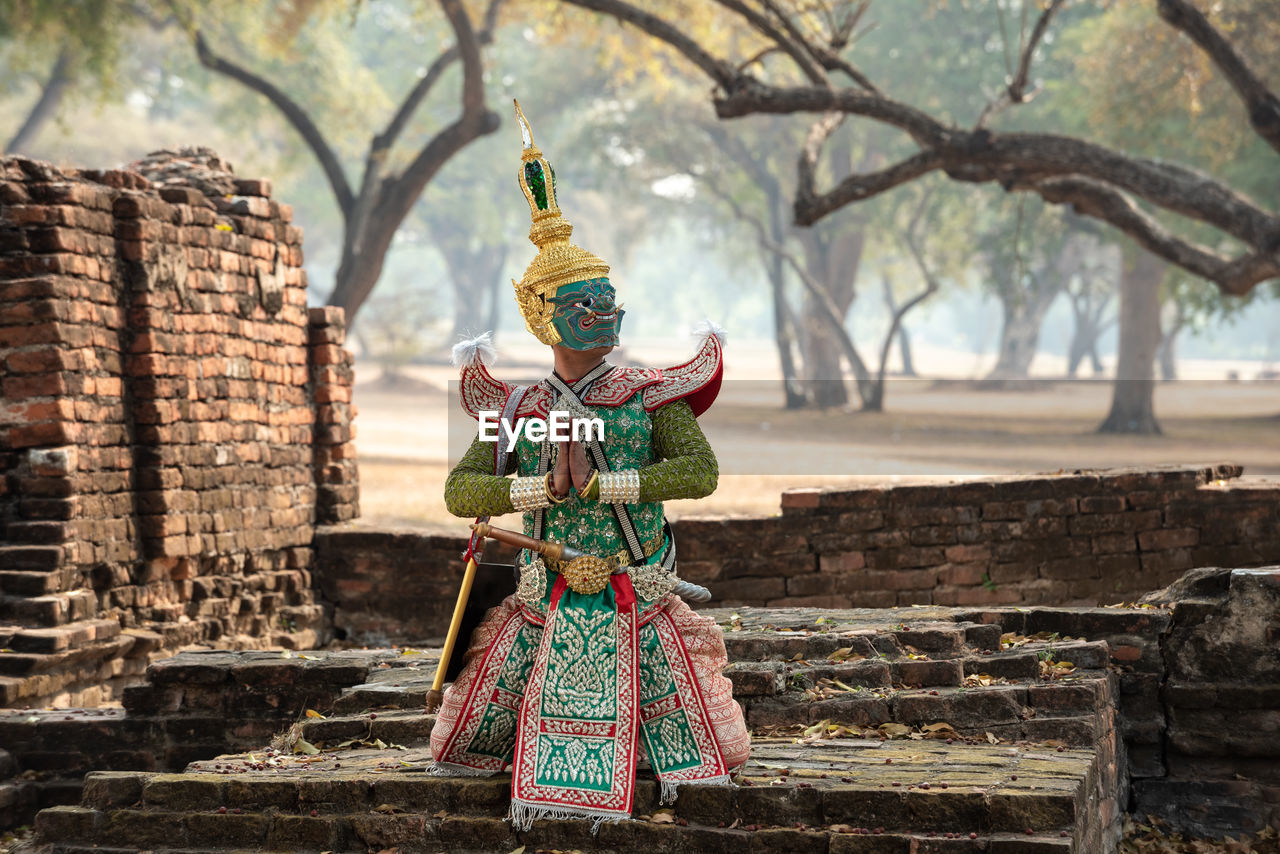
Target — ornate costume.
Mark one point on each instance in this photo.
(595, 664)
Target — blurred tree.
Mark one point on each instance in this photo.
(390, 184)
(1063, 169)
(742, 174)
(747, 166)
(1133, 193)
(1142, 87)
(1090, 293)
(904, 337)
(1189, 305)
(1026, 270)
(59, 45)
(1131, 406)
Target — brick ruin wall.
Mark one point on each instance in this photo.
(1086, 538)
(174, 422)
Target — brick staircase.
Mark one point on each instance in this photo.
(56, 645)
(876, 732)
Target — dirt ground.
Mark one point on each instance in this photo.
(934, 429)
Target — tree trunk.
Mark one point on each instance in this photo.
(793, 396)
(495, 295)
(1078, 349)
(1168, 356)
(904, 340)
(1084, 340)
(1020, 332)
(363, 254)
(832, 260)
(785, 327)
(1132, 403)
(823, 377)
(1095, 362)
(46, 106)
(904, 349)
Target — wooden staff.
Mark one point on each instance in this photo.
(551, 551)
(436, 695)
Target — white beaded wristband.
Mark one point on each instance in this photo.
(620, 487)
(529, 493)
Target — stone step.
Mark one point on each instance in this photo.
(12, 689)
(408, 727)
(408, 691)
(38, 532)
(31, 558)
(1063, 710)
(416, 833)
(64, 637)
(1024, 661)
(924, 629)
(817, 645)
(22, 799)
(792, 798)
(17, 663)
(409, 834)
(25, 583)
(51, 610)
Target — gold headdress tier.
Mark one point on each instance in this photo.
(558, 262)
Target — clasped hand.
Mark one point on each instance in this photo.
(571, 468)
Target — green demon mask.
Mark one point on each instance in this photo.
(586, 315)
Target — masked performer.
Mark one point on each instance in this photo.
(595, 664)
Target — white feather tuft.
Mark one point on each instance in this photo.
(478, 349)
(710, 327)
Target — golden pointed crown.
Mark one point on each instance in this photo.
(558, 262)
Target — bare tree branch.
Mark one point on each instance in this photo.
(1093, 198)
(856, 187)
(475, 120)
(758, 57)
(51, 94)
(297, 117)
(719, 70)
(1096, 180)
(810, 154)
(828, 59)
(932, 285)
(1022, 159)
(796, 47)
(1016, 90)
(420, 91)
(830, 313)
(385, 201)
(1261, 102)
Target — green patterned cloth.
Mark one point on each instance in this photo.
(667, 447)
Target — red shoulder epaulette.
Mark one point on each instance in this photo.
(697, 381)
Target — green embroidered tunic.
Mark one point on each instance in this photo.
(666, 447)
